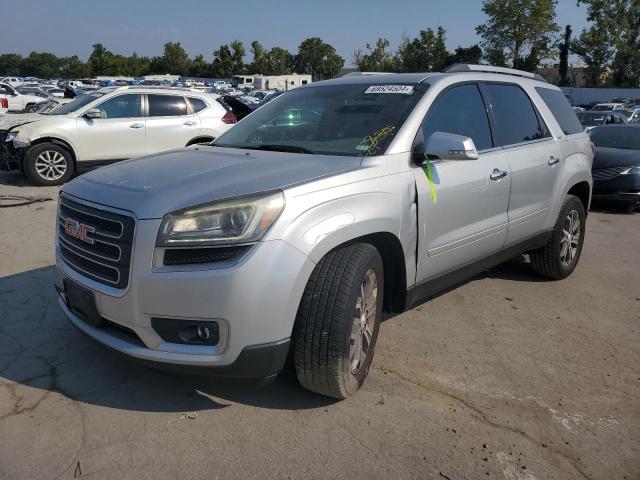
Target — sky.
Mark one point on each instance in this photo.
(68, 27)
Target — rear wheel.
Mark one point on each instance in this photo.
(48, 164)
(559, 258)
(338, 321)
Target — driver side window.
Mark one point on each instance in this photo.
(461, 111)
(122, 106)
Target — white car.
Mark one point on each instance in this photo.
(19, 102)
(13, 81)
(109, 125)
(256, 96)
(55, 91)
(607, 107)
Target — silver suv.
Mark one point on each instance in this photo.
(313, 216)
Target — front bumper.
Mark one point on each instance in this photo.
(621, 189)
(10, 157)
(256, 299)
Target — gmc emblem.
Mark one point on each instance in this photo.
(78, 230)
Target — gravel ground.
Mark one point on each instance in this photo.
(508, 376)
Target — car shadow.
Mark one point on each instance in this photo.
(39, 349)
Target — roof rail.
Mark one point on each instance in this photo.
(463, 67)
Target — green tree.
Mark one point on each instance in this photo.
(10, 63)
(378, 59)
(223, 63)
(100, 60)
(73, 67)
(620, 20)
(41, 64)
(523, 30)
(595, 49)
(200, 67)
(565, 48)
(260, 62)
(237, 57)
(281, 62)
(426, 53)
(318, 59)
(470, 55)
(175, 59)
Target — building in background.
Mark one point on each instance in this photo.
(278, 82)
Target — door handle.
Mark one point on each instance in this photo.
(136, 125)
(552, 161)
(190, 123)
(497, 174)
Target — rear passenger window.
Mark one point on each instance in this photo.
(516, 119)
(166, 105)
(197, 104)
(460, 110)
(562, 111)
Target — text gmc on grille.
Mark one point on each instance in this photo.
(95, 243)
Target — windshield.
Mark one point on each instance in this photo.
(352, 119)
(627, 138)
(590, 119)
(76, 104)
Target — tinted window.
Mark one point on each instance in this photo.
(4, 90)
(122, 106)
(166, 106)
(516, 119)
(197, 104)
(460, 110)
(618, 137)
(562, 111)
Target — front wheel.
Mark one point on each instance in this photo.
(338, 321)
(48, 164)
(559, 258)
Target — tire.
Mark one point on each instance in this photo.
(553, 261)
(48, 164)
(325, 351)
(30, 108)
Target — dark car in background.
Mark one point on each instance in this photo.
(591, 119)
(616, 166)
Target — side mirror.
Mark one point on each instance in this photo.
(93, 113)
(448, 146)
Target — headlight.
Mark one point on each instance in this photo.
(240, 220)
(631, 170)
(10, 136)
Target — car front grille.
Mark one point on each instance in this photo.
(607, 173)
(95, 243)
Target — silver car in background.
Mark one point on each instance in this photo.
(330, 205)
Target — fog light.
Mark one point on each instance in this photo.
(185, 331)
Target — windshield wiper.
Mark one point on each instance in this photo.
(282, 148)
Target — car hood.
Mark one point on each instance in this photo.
(13, 120)
(155, 185)
(615, 157)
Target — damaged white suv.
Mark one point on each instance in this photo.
(106, 126)
(337, 201)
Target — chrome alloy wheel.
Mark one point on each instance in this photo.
(51, 165)
(570, 240)
(364, 321)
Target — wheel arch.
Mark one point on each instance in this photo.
(57, 141)
(582, 190)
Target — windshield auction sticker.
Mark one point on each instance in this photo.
(403, 89)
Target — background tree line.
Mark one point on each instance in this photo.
(313, 57)
(522, 34)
